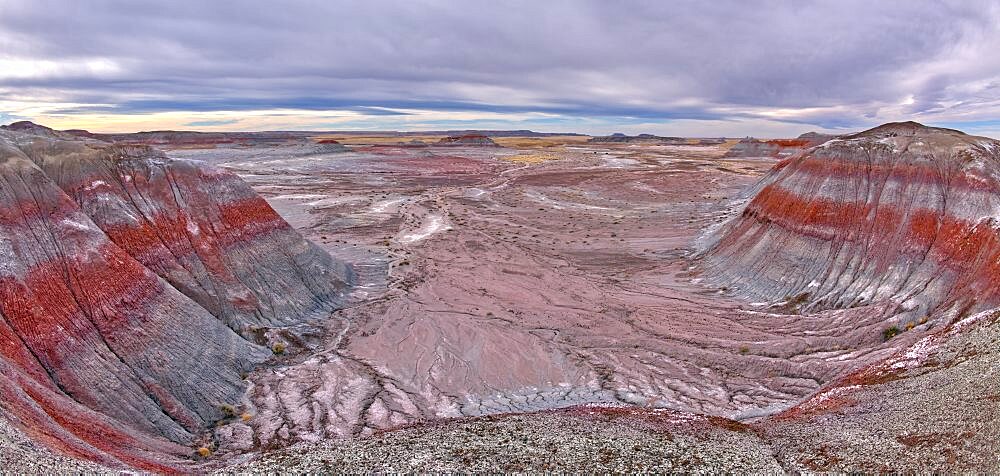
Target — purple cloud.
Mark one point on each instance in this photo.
(821, 64)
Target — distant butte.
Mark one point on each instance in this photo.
(468, 139)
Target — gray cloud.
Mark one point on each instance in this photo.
(827, 64)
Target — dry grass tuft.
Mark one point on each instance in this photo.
(530, 158)
(539, 142)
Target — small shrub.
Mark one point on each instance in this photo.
(204, 452)
(910, 325)
(228, 410)
(246, 417)
(744, 350)
(890, 332)
(278, 348)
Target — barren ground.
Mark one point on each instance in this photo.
(494, 280)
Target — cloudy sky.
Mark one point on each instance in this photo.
(698, 68)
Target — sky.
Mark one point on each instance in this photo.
(682, 68)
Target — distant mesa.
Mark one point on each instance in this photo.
(82, 133)
(618, 137)
(496, 133)
(296, 142)
(902, 217)
(469, 139)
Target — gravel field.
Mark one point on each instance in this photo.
(21, 455)
(573, 440)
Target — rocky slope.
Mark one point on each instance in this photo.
(931, 407)
(902, 217)
(135, 292)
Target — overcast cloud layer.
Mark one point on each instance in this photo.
(683, 68)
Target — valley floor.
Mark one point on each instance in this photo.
(492, 281)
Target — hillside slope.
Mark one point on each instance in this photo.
(135, 292)
(902, 216)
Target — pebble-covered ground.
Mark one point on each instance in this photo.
(934, 407)
(578, 440)
(21, 455)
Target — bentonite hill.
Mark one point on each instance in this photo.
(275, 302)
(137, 291)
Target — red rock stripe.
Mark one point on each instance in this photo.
(970, 248)
(14, 351)
(22, 213)
(49, 417)
(246, 219)
(790, 142)
(168, 237)
(49, 317)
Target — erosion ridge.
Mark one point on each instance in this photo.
(137, 291)
(902, 216)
